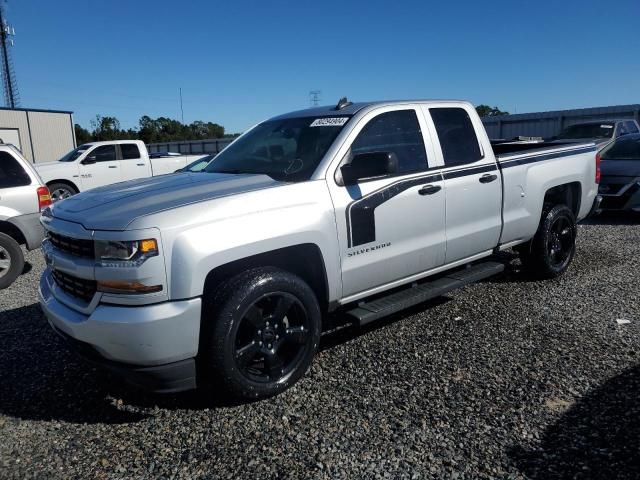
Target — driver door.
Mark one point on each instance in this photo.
(391, 227)
(100, 167)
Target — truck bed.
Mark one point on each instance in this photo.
(501, 149)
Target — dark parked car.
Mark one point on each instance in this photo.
(620, 174)
(600, 132)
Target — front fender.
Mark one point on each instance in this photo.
(285, 220)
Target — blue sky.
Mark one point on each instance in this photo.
(239, 62)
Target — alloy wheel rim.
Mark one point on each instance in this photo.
(60, 194)
(5, 262)
(272, 337)
(560, 242)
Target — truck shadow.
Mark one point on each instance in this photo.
(598, 437)
(42, 380)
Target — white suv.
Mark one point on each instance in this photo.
(22, 196)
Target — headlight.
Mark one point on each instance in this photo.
(110, 253)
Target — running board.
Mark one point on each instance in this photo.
(379, 307)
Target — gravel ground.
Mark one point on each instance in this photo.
(504, 379)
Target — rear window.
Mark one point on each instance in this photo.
(130, 151)
(625, 149)
(11, 172)
(457, 136)
(587, 130)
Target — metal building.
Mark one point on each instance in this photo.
(548, 124)
(192, 147)
(41, 135)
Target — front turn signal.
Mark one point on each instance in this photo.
(127, 287)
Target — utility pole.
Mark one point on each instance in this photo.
(314, 97)
(11, 97)
(181, 109)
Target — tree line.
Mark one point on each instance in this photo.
(149, 130)
(163, 129)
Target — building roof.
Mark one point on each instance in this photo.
(36, 110)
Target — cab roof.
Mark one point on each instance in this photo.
(352, 108)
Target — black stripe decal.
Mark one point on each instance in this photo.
(469, 171)
(361, 225)
(506, 163)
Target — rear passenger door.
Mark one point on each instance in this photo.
(132, 165)
(390, 227)
(472, 183)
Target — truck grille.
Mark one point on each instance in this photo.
(74, 246)
(74, 286)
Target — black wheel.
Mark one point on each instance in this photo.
(264, 333)
(60, 191)
(551, 251)
(11, 260)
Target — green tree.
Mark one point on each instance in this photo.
(487, 111)
(106, 128)
(82, 135)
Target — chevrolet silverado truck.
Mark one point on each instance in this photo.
(97, 164)
(228, 275)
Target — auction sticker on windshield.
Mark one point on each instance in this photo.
(329, 122)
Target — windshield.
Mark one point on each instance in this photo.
(75, 153)
(625, 149)
(588, 130)
(288, 150)
(199, 164)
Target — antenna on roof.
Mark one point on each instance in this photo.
(343, 103)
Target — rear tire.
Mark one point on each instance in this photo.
(60, 191)
(265, 329)
(11, 260)
(551, 250)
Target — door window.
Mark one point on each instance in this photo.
(457, 136)
(396, 132)
(631, 127)
(130, 151)
(104, 153)
(622, 129)
(11, 172)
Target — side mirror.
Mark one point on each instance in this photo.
(89, 160)
(369, 165)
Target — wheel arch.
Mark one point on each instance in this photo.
(304, 260)
(14, 232)
(569, 194)
(65, 181)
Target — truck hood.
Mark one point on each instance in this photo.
(51, 170)
(115, 206)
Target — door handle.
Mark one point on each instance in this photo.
(487, 178)
(429, 189)
(113, 166)
(140, 164)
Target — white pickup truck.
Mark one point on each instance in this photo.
(97, 164)
(229, 273)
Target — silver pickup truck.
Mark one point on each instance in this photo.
(227, 275)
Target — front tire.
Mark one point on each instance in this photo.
(265, 331)
(551, 251)
(11, 260)
(60, 191)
